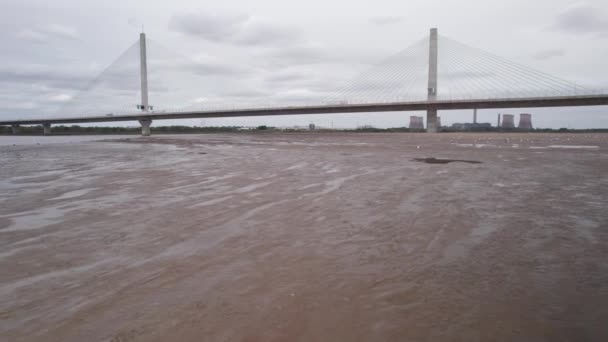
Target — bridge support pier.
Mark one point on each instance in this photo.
(145, 127)
(431, 114)
(431, 121)
(16, 129)
(46, 128)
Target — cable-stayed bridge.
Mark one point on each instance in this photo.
(435, 73)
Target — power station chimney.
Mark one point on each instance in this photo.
(525, 121)
(475, 116)
(508, 121)
(498, 121)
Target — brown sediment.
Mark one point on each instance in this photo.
(306, 237)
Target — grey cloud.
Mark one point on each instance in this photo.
(62, 31)
(254, 93)
(218, 69)
(198, 67)
(289, 77)
(466, 74)
(42, 76)
(60, 98)
(44, 88)
(264, 34)
(314, 55)
(299, 96)
(326, 86)
(298, 55)
(548, 54)
(370, 85)
(316, 83)
(214, 27)
(46, 33)
(32, 36)
(236, 29)
(582, 19)
(386, 20)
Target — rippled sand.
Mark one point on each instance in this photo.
(306, 237)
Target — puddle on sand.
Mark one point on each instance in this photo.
(72, 194)
(30, 220)
(444, 161)
(475, 145)
(577, 147)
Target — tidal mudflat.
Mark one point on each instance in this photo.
(306, 237)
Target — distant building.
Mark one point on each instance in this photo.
(311, 127)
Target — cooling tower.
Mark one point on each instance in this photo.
(525, 121)
(416, 122)
(412, 122)
(508, 121)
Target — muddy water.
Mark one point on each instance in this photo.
(306, 237)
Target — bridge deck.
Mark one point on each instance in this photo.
(560, 101)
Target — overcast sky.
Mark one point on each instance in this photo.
(239, 51)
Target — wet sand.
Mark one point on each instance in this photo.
(306, 237)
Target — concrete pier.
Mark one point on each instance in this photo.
(145, 127)
(431, 121)
(431, 114)
(46, 128)
(16, 129)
